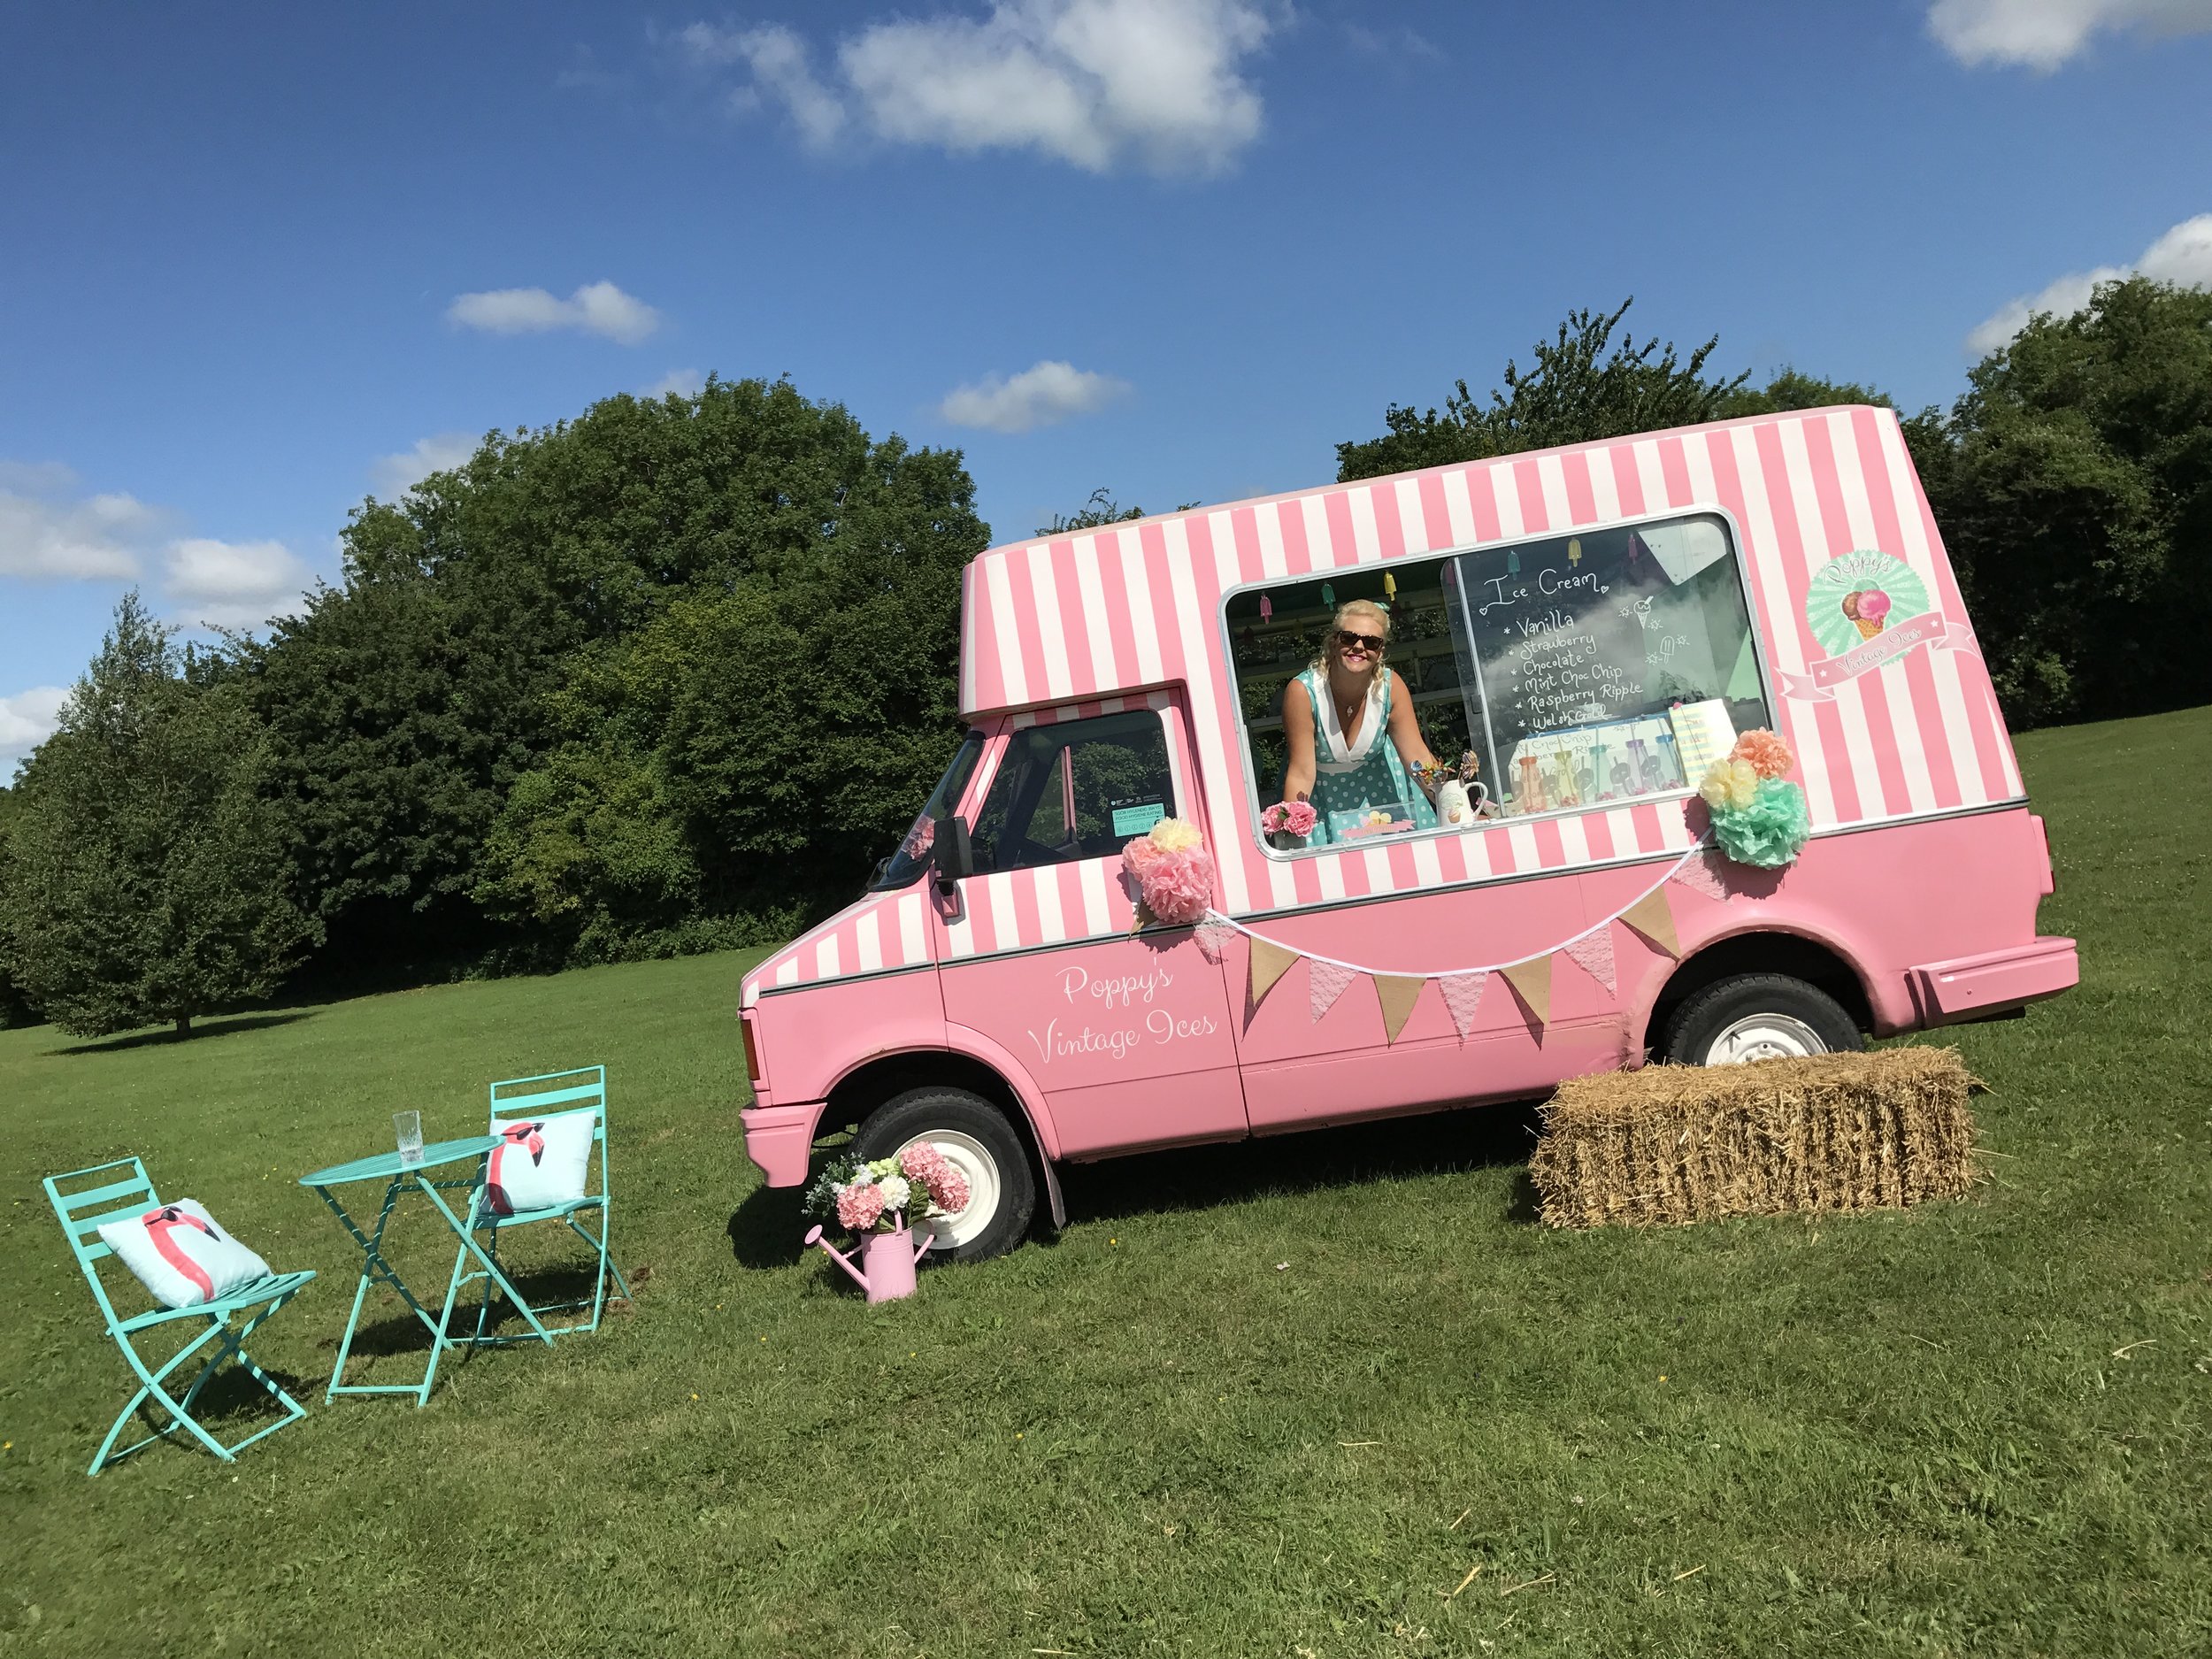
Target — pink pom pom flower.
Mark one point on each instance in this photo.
(1179, 887)
(1767, 754)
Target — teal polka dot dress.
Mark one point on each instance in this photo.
(1365, 775)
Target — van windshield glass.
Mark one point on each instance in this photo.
(912, 856)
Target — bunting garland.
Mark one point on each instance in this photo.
(1649, 916)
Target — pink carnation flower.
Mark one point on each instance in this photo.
(1299, 817)
(1178, 886)
(1768, 754)
(859, 1206)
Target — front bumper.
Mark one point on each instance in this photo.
(779, 1139)
(1969, 987)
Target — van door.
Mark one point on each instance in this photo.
(1129, 1038)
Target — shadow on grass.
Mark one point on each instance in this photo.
(220, 1027)
(764, 1230)
(231, 1394)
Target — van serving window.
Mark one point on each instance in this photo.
(1580, 669)
(1074, 790)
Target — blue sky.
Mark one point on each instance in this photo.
(260, 261)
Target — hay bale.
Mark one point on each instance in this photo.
(1675, 1143)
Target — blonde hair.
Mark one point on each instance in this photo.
(1353, 608)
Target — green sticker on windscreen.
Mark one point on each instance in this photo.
(1133, 818)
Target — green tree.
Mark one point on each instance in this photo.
(1584, 387)
(146, 883)
(16, 1007)
(2076, 505)
(1100, 511)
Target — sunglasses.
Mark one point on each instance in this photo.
(1347, 640)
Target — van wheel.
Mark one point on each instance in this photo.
(1758, 1017)
(976, 1139)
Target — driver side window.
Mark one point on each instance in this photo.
(1074, 790)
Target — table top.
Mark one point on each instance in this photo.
(383, 1165)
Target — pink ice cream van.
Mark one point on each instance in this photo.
(1588, 628)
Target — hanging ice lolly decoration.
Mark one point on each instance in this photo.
(1267, 608)
(1513, 561)
(1390, 590)
(1328, 595)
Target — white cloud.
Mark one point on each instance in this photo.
(2183, 256)
(26, 719)
(675, 383)
(2044, 33)
(396, 474)
(1093, 83)
(1043, 394)
(597, 308)
(46, 529)
(234, 584)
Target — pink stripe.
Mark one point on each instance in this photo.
(1674, 469)
(1290, 522)
(1774, 468)
(968, 618)
(1482, 493)
(1991, 741)
(1535, 517)
(1599, 834)
(990, 683)
(1029, 928)
(1451, 858)
(1650, 838)
(1251, 567)
(1305, 881)
(1582, 501)
(1343, 545)
(1388, 531)
(1551, 851)
(1028, 632)
(1352, 870)
(1503, 860)
(1119, 627)
(1828, 491)
(1627, 483)
(1436, 527)
(1403, 876)
(1086, 670)
(1722, 455)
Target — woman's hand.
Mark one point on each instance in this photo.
(1405, 732)
(1298, 775)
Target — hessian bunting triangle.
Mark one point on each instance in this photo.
(1397, 994)
(1652, 916)
(1269, 963)
(1325, 983)
(1462, 995)
(1531, 983)
(1593, 953)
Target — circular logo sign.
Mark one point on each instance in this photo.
(1855, 595)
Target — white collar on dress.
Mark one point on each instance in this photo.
(1344, 756)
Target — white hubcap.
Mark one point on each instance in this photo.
(1764, 1037)
(974, 1160)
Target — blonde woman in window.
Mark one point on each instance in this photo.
(1348, 721)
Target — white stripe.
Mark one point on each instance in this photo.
(1651, 475)
(1058, 683)
(868, 940)
(1205, 712)
(1005, 620)
(787, 970)
(911, 949)
(1268, 525)
(1366, 539)
(1428, 870)
(1140, 622)
(1697, 461)
(1412, 522)
(1379, 880)
(1322, 551)
(1097, 910)
(751, 993)
(1096, 624)
(1459, 507)
(1329, 870)
(1505, 500)
(1551, 478)
(1850, 703)
(1785, 653)
(1222, 532)
(1049, 922)
(1474, 847)
(1574, 841)
(1622, 822)
(971, 609)
(1951, 692)
(1522, 839)
(1904, 715)
(826, 958)
(1605, 495)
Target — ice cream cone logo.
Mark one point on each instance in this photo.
(1869, 611)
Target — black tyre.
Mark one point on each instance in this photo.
(1758, 1017)
(977, 1140)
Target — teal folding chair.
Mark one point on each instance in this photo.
(519, 1100)
(82, 1210)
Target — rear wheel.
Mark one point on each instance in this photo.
(1758, 1017)
(975, 1139)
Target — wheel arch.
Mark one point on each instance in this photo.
(1820, 962)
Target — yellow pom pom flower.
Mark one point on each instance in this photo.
(1729, 783)
(1175, 835)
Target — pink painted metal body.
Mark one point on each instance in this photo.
(1920, 884)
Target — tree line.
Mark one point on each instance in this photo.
(670, 676)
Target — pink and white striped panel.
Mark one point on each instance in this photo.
(1132, 606)
(882, 931)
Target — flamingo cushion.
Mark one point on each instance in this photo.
(540, 1164)
(180, 1254)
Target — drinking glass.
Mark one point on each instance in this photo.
(409, 1128)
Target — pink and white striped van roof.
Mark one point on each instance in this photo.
(1060, 621)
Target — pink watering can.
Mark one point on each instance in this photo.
(887, 1261)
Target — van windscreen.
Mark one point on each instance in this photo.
(912, 856)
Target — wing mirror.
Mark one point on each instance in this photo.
(951, 853)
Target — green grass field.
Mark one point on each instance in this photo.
(1261, 1399)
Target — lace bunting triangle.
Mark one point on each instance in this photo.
(1325, 982)
(1462, 995)
(1213, 937)
(1701, 875)
(1593, 953)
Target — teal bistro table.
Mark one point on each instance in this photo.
(398, 1177)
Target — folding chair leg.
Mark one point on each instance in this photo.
(180, 1410)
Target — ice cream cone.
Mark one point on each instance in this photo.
(1868, 628)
